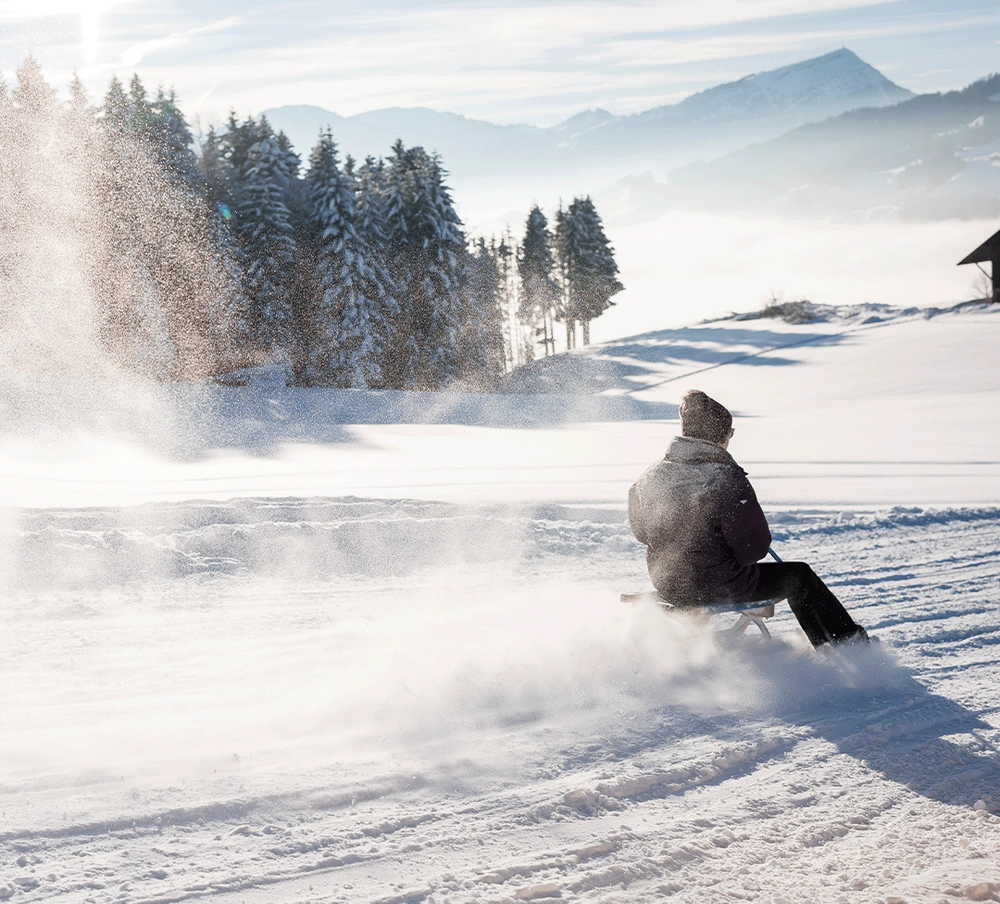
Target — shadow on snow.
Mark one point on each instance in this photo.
(258, 420)
(640, 361)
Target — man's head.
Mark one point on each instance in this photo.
(704, 418)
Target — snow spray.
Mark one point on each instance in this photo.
(106, 269)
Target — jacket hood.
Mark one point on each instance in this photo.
(690, 450)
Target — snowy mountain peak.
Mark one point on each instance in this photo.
(829, 84)
(756, 107)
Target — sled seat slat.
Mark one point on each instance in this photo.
(748, 613)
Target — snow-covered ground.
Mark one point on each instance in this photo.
(273, 645)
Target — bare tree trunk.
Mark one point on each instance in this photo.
(586, 332)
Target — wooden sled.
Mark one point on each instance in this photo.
(747, 613)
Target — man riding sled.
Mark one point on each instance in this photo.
(705, 531)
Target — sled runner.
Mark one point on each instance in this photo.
(748, 613)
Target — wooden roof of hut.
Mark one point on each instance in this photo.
(988, 251)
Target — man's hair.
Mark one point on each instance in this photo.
(704, 418)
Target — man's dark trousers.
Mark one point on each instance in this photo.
(818, 611)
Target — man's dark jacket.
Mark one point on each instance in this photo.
(699, 516)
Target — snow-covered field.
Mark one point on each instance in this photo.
(273, 645)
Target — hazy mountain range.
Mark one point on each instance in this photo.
(828, 135)
(935, 156)
(755, 107)
(711, 122)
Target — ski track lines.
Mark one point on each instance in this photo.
(853, 778)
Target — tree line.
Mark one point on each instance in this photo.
(229, 252)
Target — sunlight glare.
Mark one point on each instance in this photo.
(88, 10)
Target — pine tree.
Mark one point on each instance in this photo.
(79, 103)
(33, 95)
(481, 350)
(292, 160)
(218, 174)
(353, 307)
(171, 138)
(47, 317)
(130, 307)
(588, 264)
(372, 215)
(295, 198)
(140, 110)
(116, 117)
(562, 255)
(230, 318)
(264, 231)
(229, 328)
(505, 255)
(427, 257)
(239, 137)
(539, 297)
(159, 209)
(157, 126)
(372, 224)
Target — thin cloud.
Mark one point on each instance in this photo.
(517, 61)
(138, 52)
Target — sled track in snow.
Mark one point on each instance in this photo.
(843, 777)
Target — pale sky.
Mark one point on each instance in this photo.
(535, 62)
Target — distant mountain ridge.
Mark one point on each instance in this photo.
(827, 136)
(766, 103)
(720, 119)
(934, 156)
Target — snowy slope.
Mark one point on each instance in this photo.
(874, 406)
(222, 679)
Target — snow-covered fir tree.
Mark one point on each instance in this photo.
(372, 197)
(229, 327)
(263, 228)
(171, 138)
(427, 257)
(239, 137)
(354, 277)
(587, 263)
(295, 198)
(218, 174)
(539, 295)
(230, 316)
(507, 272)
(157, 126)
(561, 248)
(130, 310)
(353, 308)
(115, 112)
(482, 353)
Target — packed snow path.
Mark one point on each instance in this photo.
(225, 677)
(479, 719)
